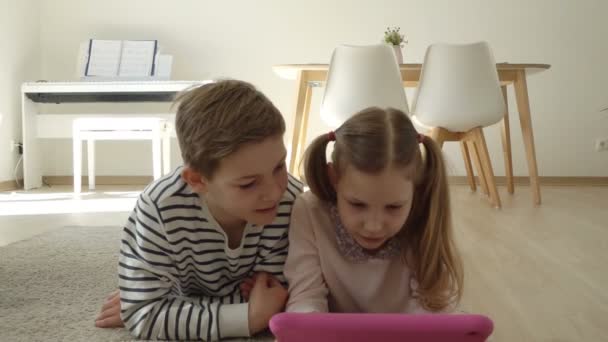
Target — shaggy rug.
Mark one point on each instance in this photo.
(52, 286)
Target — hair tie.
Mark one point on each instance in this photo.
(331, 136)
(421, 138)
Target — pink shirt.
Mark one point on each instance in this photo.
(321, 279)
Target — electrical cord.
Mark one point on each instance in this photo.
(15, 171)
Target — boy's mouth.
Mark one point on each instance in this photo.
(267, 210)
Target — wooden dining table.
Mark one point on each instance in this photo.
(308, 76)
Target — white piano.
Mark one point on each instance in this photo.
(42, 92)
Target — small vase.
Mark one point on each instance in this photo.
(398, 54)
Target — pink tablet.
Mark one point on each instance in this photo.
(326, 327)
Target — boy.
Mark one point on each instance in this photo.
(197, 234)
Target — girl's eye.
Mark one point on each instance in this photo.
(394, 207)
(358, 205)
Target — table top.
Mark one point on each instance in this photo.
(289, 71)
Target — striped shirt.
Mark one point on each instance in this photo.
(178, 278)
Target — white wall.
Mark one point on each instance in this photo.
(19, 61)
(243, 39)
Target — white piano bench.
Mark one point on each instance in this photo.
(112, 128)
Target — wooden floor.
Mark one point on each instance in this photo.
(541, 273)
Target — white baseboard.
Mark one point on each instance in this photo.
(453, 180)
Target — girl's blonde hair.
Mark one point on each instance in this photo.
(373, 140)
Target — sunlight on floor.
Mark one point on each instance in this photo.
(22, 203)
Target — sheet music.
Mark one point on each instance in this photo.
(137, 58)
(104, 57)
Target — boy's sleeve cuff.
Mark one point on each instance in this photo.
(233, 320)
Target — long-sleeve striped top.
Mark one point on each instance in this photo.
(178, 278)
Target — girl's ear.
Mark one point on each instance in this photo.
(333, 174)
(195, 179)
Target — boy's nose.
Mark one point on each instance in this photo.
(273, 192)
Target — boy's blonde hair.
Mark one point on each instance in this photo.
(216, 119)
(373, 140)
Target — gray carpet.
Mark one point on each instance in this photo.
(52, 285)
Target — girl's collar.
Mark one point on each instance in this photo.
(350, 249)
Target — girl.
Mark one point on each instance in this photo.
(375, 232)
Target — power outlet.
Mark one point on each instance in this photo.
(16, 146)
(601, 144)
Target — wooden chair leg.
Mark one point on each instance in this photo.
(506, 144)
(467, 165)
(486, 165)
(438, 134)
(475, 156)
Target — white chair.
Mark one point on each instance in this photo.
(459, 94)
(113, 128)
(360, 77)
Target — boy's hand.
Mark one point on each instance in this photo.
(267, 297)
(109, 317)
(246, 287)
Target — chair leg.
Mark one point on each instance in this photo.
(506, 144)
(156, 154)
(77, 161)
(486, 165)
(475, 156)
(166, 157)
(438, 135)
(467, 165)
(91, 162)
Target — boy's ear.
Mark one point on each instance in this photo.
(195, 179)
(333, 175)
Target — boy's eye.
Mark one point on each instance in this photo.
(247, 186)
(358, 205)
(280, 167)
